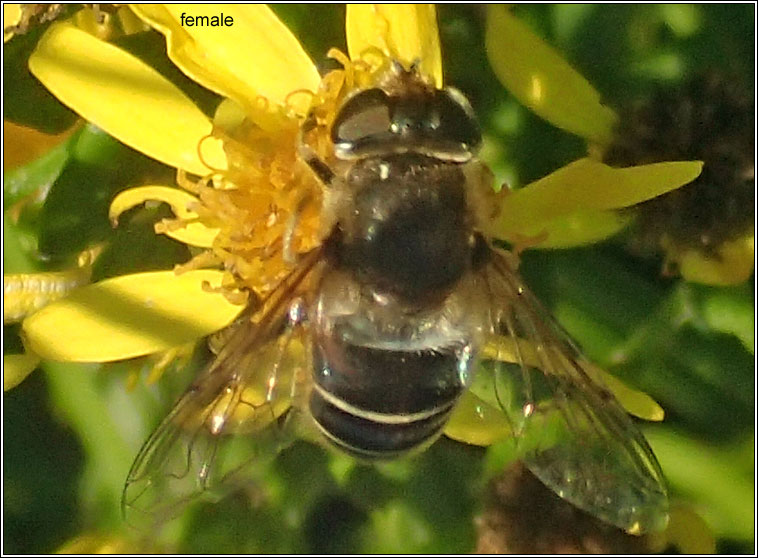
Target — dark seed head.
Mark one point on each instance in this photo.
(711, 119)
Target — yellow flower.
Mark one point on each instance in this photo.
(544, 82)
(102, 543)
(18, 17)
(11, 19)
(252, 183)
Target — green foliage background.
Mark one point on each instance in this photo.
(70, 432)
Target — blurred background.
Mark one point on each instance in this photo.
(72, 431)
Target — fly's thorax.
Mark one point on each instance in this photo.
(407, 228)
(386, 377)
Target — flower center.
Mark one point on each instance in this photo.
(267, 205)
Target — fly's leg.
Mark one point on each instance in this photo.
(322, 171)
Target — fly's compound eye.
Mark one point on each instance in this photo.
(365, 116)
(454, 119)
(441, 125)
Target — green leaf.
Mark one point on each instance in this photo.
(75, 213)
(80, 400)
(704, 377)
(731, 310)
(42, 468)
(18, 246)
(709, 477)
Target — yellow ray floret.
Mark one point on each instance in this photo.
(16, 367)
(585, 185)
(125, 97)
(186, 229)
(542, 80)
(256, 57)
(732, 263)
(129, 316)
(406, 32)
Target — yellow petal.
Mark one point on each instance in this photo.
(542, 80)
(637, 403)
(576, 229)
(194, 233)
(584, 185)
(687, 531)
(129, 22)
(129, 316)
(256, 56)
(98, 25)
(159, 362)
(229, 116)
(16, 368)
(732, 264)
(476, 422)
(125, 97)
(11, 17)
(405, 32)
(101, 543)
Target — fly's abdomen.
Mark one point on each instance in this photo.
(380, 402)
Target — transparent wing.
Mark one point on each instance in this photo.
(226, 426)
(571, 431)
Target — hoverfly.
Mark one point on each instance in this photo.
(373, 337)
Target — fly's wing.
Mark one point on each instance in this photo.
(571, 431)
(225, 427)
